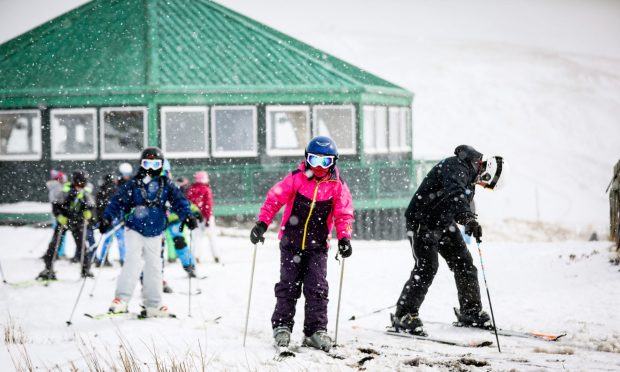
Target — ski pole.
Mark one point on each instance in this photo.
(339, 297)
(76, 302)
(247, 313)
(353, 317)
(3, 277)
(84, 276)
(83, 250)
(102, 239)
(488, 294)
(189, 276)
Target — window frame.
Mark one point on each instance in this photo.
(407, 127)
(83, 156)
(124, 155)
(184, 154)
(38, 146)
(315, 128)
(234, 154)
(285, 108)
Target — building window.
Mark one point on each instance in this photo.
(74, 134)
(184, 131)
(399, 129)
(288, 130)
(234, 131)
(338, 123)
(375, 129)
(20, 135)
(123, 132)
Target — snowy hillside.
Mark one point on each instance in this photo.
(535, 81)
(559, 287)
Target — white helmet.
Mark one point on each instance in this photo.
(494, 173)
(125, 169)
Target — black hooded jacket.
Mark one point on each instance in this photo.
(446, 192)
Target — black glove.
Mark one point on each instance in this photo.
(473, 228)
(256, 235)
(104, 225)
(344, 247)
(189, 221)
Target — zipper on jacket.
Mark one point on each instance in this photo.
(303, 241)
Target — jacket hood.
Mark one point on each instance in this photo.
(469, 155)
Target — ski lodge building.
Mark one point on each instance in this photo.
(217, 91)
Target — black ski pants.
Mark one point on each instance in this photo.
(427, 244)
(77, 231)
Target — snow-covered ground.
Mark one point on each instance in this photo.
(550, 287)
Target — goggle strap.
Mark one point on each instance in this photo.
(498, 173)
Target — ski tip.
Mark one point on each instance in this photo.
(484, 344)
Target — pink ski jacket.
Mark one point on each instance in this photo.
(200, 194)
(312, 209)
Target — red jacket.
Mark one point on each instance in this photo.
(200, 194)
(312, 208)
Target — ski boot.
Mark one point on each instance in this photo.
(477, 319)
(319, 340)
(86, 273)
(409, 323)
(282, 336)
(216, 259)
(191, 270)
(166, 288)
(118, 306)
(47, 274)
(155, 312)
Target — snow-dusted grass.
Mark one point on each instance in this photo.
(551, 287)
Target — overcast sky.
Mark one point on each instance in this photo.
(580, 26)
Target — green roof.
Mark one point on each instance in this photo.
(158, 46)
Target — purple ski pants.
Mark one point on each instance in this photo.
(307, 269)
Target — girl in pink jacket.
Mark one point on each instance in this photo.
(315, 199)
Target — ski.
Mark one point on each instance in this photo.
(195, 292)
(32, 283)
(509, 333)
(522, 334)
(110, 315)
(128, 315)
(473, 343)
(392, 332)
(282, 353)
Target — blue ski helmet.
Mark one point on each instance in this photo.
(322, 145)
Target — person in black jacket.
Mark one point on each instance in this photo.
(74, 212)
(443, 200)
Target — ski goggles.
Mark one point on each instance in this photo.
(323, 161)
(151, 163)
